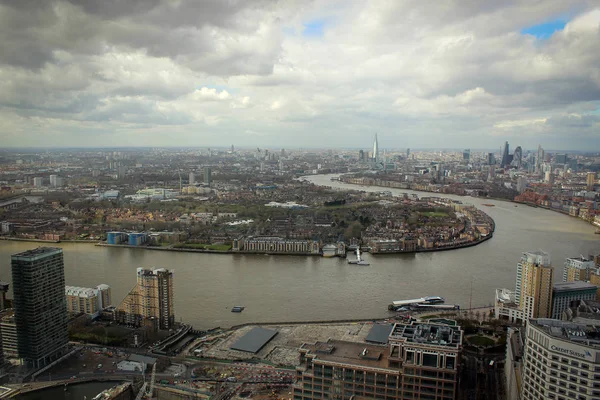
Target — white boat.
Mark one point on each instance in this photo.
(359, 260)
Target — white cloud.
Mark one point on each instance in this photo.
(419, 74)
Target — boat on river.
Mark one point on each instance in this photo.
(237, 309)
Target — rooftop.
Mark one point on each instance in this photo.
(37, 252)
(80, 291)
(367, 355)
(579, 333)
(575, 285)
(430, 334)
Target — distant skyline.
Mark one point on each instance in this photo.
(292, 73)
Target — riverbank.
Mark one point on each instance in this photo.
(469, 196)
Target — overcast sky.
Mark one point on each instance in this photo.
(423, 74)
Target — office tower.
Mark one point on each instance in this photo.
(232, 149)
(192, 179)
(533, 291)
(517, 159)
(590, 180)
(39, 304)
(561, 361)
(361, 155)
(150, 301)
(416, 361)
(491, 159)
(565, 293)
(375, 150)
(578, 269)
(407, 153)
(37, 182)
(549, 177)
(539, 160)
(53, 180)
(560, 159)
(87, 300)
(467, 155)
(505, 156)
(207, 176)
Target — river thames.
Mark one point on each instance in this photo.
(298, 288)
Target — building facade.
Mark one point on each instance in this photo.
(565, 293)
(578, 269)
(535, 277)
(561, 361)
(150, 301)
(39, 303)
(420, 361)
(87, 300)
(272, 244)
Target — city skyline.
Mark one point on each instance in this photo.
(292, 74)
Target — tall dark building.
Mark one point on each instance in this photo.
(505, 156)
(40, 306)
(491, 159)
(466, 155)
(517, 158)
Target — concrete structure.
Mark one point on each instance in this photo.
(37, 182)
(87, 300)
(513, 366)
(3, 290)
(563, 294)
(131, 366)
(578, 269)
(561, 361)
(505, 306)
(150, 301)
(533, 292)
(420, 361)
(39, 304)
(192, 179)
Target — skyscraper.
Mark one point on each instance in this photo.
(39, 304)
(533, 292)
(207, 176)
(518, 157)
(467, 155)
(151, 299)
(376, 150)
(505, 156)
(491, 159)
(539, 160)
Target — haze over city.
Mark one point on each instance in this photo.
(300, 74)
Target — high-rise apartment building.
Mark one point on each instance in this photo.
(565, 294)
(578, 269)
(420, 361)
(561, 361)
(38, 181)
(39, 303)
(533, 291)
(150, 301)
(192, 178)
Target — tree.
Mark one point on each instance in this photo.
(353, 231)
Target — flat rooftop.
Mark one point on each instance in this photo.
(254, 340)
(565, 330)
(571, 286)
(430, 334)
(359, 354)
(37, 252)
(379, 333)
